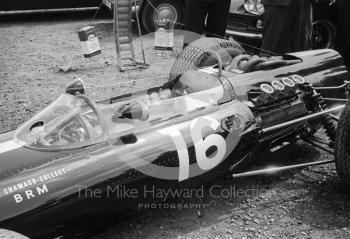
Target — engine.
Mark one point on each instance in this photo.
(279, 101)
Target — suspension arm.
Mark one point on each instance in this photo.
(308, 117)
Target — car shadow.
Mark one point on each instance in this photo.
(326, 205)
(209, 204)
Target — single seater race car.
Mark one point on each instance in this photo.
(216, 111)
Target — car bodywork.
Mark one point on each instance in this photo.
(242, 23)
(249, 25)
(75, 142)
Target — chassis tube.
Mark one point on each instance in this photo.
(301, 119)
(278, 169)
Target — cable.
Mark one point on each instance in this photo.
(95, 14)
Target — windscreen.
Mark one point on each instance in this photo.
(69, 122)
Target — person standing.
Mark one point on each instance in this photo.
(287, 26)
(208, 16)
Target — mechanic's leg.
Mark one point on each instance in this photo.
(195, 14)
(302, 25)
(217, 18)
(343, 10)
(309, 16)
(277, 30)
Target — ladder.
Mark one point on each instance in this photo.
(123, 36)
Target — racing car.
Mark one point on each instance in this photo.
(216, 111)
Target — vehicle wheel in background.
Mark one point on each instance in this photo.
(324, 34)
(196, 54)
(154, 10)
(342, 146)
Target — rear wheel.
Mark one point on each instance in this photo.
(196, 54)
(154, 10)
(342, 146)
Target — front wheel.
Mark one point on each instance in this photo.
(154, 10)
(342, 146)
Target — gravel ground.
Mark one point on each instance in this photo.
(41, 53)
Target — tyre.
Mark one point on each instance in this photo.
(196, 54)
(342, 146)
(154, 10)
(324, 34)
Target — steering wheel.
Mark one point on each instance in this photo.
(95, 109)
(70, 135)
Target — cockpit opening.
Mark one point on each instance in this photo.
(74, 121)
